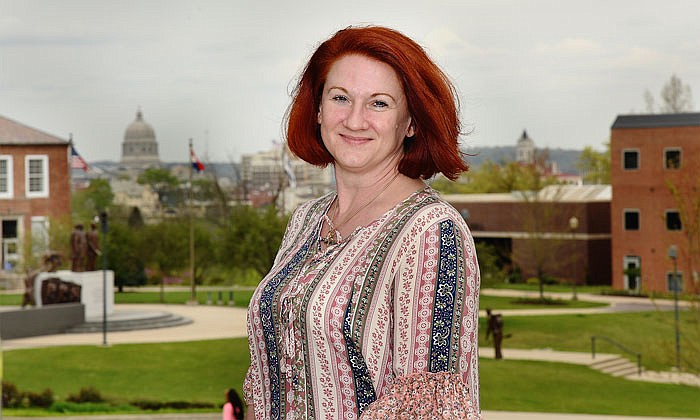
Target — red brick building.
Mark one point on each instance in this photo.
(34, 187)
(650, 155)
(539, 230)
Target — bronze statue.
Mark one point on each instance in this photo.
(50, 263)
(494, 325)
(78, 246)
(93, 248)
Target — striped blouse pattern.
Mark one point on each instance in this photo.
(330, 330)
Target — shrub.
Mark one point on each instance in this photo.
(178, 405)
(11, 397)
(86, 395)
(44, 399)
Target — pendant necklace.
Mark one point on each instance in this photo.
(333, 236)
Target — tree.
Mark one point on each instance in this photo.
(491, 177)
(675, 95)
(87, 203)
(594, 165)
(124, 255)
(539, 216)
(166, 185)
(251, 238)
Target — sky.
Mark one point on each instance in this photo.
(221, 72)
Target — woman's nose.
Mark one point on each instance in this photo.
(355, 120)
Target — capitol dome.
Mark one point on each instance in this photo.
(140, 149)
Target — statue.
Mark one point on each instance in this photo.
(55, 290)
(50, 263)
(78, 246)
(93, 248)
(494, 325)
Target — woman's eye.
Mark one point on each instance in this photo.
(380, 104)
(340, 98)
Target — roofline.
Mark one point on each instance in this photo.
(684, 119)
(59, 140)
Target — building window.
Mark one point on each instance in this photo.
(37, 176)
(630, 159)
(672, 158)
(670, 282)
(40, 234)
(673, 220)
(631, 219)
(6, 181)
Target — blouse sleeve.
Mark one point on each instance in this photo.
(436, 308)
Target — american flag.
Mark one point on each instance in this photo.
(77, 161)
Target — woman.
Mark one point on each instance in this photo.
(373, 295)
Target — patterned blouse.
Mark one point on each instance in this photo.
(331, 331)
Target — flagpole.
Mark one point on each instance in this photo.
(193, 299)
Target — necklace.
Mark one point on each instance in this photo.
(333, 236)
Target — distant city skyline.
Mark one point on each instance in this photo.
(221, 72)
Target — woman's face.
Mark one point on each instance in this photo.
(363, 115)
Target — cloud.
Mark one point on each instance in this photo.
(638, 57)
(444, 42)
(570, 46)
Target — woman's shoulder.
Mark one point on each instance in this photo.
(429, 203)
(314, 206)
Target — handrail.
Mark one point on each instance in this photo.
(621, 347)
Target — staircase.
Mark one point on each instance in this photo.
(137, 321)
(616, 366)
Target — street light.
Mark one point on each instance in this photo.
(573, 225)
(104, 228)
(673, 254)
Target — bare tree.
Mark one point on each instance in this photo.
(676, 97)
(649, 101)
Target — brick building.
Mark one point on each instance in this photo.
(650, 154)
(34, 187)
(538, 230)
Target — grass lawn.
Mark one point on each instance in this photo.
(513, 385)
(650, 333)
(200, 371)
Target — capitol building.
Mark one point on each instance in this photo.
(139, 149)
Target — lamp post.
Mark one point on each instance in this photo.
(673, 254)
(573, 225)
(103, 228)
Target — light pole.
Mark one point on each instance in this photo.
(673, 254)
(573, 225)
(103, 226)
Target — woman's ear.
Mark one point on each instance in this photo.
(411, 131)
(318, 116)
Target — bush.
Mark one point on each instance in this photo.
(44, 399)
(11, 397)
(86, 395)
(177, 405)
(71, 407)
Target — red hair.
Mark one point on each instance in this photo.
(431, 99)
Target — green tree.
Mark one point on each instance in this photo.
(491, 177)
(163, 183)
(165, 245)
(89, 202)
(251, 238)
(594, 165)
(123, 252)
